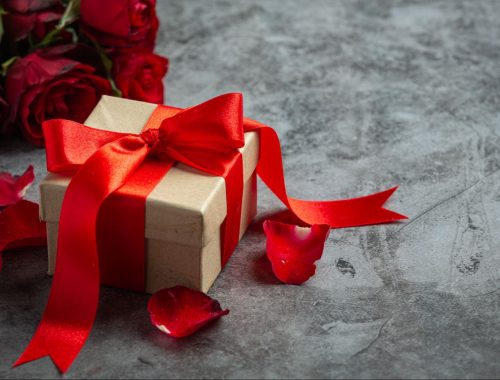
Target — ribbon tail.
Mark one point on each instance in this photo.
(74, 297)
(48, 342)
(336, 213)
(352, 212)
(370, 206)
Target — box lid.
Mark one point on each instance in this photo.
(186, 207)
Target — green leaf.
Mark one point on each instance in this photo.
(47, 40)
(116, 90)
(108, 66)
(70, 14)
(7, 64)
(2, 12)
(74, 34)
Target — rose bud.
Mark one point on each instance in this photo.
(120, 23)
(44, 85)
(140, 76)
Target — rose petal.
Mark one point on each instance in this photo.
(13, 187)
(180, 311)
(293, 250)
(20, 227)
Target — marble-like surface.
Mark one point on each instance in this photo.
(365, 95)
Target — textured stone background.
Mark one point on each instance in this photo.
(365, 95)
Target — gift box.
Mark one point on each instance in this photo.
(183, 214)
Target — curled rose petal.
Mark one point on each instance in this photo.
(180, 311)
(293, 250)
(13, 187)
(20, 227)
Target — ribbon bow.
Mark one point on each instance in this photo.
(205, 137)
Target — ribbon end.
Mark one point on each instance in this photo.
(41, 346)
(24, 358)
(392, 216)
(27, 356)
(383, 196)
(363, 211)
(384, 215)
(61, 366)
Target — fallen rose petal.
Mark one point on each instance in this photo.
(13, 187)
(20, 227)
(180, 311)
(293, 250)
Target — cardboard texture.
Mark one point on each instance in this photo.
(183, 213)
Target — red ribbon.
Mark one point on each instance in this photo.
(112, 167)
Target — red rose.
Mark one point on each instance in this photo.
(120, 23)
(45, 85)
(140, 76)
(30, 17)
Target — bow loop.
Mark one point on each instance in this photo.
(213, 125)
(205, 137)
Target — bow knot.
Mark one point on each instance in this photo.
(151, 137)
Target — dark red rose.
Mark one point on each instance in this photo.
(44, 85)
(30, 17)
(120, 23)
(140, 76)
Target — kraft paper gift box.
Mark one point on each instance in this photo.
(183, 213)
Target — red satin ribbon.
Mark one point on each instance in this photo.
(337, 214)
(107, 164)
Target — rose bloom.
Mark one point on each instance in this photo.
(46, 85)
(140, 76)
(120, 23)
(30, 17)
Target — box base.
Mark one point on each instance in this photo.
(170, 264)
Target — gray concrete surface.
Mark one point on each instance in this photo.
(365, 95)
